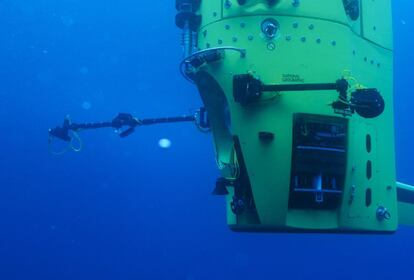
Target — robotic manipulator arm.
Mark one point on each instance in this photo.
(125, 124)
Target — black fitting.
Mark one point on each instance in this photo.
(181, 5)
(238, 205)
(266, 137)
(61, 132)
(202, 119)
(221, 186)
(206, 57)
(193, 20)
(342, 87)
(352, 8)
(368, 103)
(187, 14)
(246, 88)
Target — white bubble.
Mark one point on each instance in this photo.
(403, 22)
(164, 143)
(86, 105)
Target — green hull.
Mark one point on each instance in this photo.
(315, 42)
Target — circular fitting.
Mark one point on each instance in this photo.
(270, 28)
(237, 205)
(383, 214)
(271, 46)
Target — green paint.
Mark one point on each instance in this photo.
(316, 43)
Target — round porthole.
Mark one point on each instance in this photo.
(270, 28)
(352, 8)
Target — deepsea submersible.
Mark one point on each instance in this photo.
(298, 95)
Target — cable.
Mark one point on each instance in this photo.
(57, 153)
(352, 81)
(77, 137)
(70, 146)
(187, 61)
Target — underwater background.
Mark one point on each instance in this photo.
(125, 208)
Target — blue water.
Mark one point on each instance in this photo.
(124, 208)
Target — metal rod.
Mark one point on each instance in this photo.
(75, 126)
(167, 120)
(187, 40)
(301, 87)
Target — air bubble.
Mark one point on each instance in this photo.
(164, 143)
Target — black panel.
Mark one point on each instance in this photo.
(368, 197)
(369, 170)
(318, 161)
(352, 8)
(368, 143)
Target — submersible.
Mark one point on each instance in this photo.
(297, 151)
(299, 99)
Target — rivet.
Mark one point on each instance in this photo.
(220, 41)
(303, 39)
(311, 27)
(372, 62)
(205, 33)
(208, 45)
(242, 25)
(295, 25)
(333, 43)
(378, 64)
(354, 52)
(295, 3)
(374, 28)
(271, 46)
(227, 4)
(250, 37)
(234, 39)
(227, 27)
(365, 59)
(214, 14)
(318, 41)
(288, 37)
